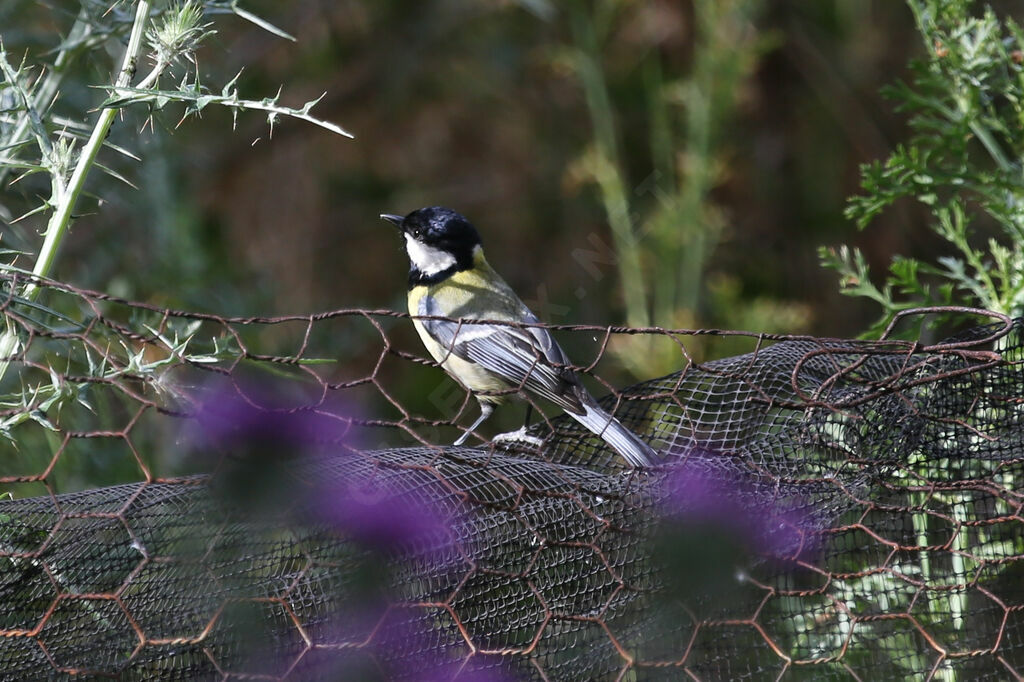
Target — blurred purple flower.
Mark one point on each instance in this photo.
(256, 439)
(298, 467)
(765, 516)
(382, 518)
(232, 419)
(303, 455)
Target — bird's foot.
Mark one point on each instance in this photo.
(518, 436)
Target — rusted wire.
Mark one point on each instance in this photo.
(197, 496)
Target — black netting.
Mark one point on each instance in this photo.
(828, 510)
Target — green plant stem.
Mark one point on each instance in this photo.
(65, 196)
(65, 204)
(608, 171)
(665, 225)
(685, 268)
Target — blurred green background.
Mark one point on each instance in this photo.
(483, 107)
(666, 163)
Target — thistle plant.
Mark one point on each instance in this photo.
(965, 103)
(67, 153)
(56, 151)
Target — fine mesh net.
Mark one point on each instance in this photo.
(826, 509)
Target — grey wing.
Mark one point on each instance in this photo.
(526, 356)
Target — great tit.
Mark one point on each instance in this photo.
(449, 277)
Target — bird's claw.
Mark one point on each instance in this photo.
(518, 436)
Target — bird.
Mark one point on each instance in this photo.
(450, 281)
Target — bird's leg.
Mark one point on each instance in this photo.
(485, 412)
(520, 434)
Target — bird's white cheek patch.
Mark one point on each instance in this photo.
(427, 259)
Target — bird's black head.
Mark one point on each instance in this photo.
(439, 241)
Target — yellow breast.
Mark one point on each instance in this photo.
(477, 293)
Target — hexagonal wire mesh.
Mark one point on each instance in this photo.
(827, 510)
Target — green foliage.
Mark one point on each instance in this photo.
(666, 226)
(963, 162)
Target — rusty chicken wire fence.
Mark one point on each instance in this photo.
(827, 509)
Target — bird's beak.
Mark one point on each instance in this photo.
(395, 220)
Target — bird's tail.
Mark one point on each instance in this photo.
(621, 439)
